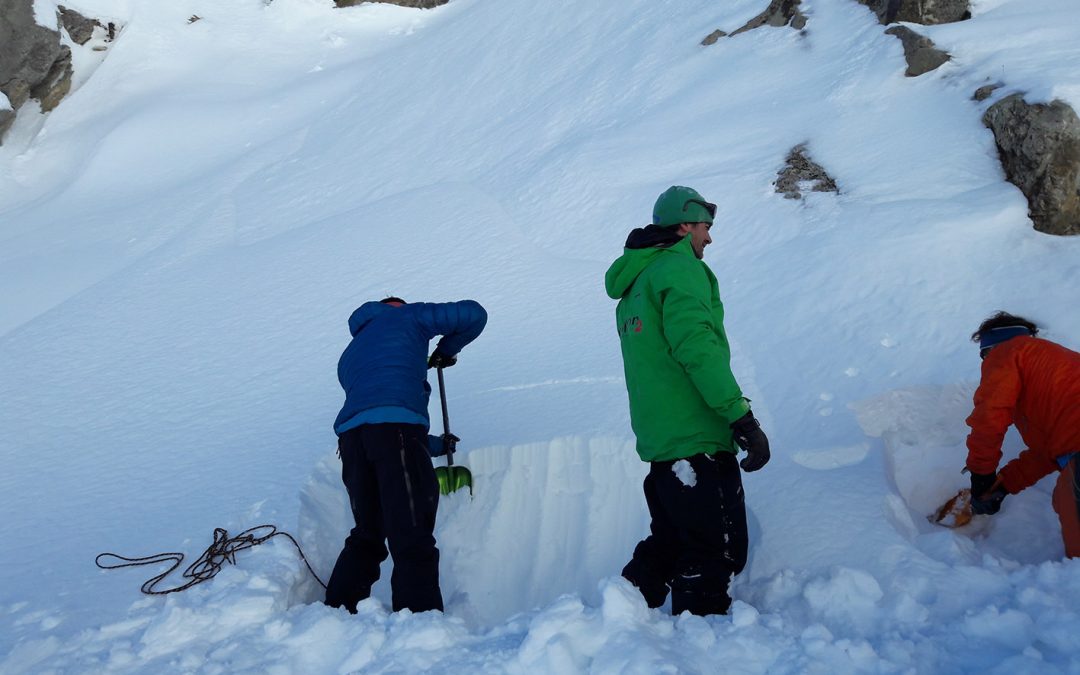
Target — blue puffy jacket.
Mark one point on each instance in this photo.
(384, 369)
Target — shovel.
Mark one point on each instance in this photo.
(954, 513)
(451, 478)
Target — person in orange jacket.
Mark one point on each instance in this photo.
(1033, 384)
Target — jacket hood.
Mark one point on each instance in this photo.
(364, 314)
(625, 270)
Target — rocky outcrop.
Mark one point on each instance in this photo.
(926, 12)
(712, 37)
(921, 54)
(7, 117)
(1039, 146)
(33, 63)
(57, 82)
(420, 4)
(778, 13)
(986, 91)
(78, 27)
(800, 173)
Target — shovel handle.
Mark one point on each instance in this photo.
(445, 418)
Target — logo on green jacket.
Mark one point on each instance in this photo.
(630, 325)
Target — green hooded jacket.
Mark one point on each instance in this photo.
(676, 358)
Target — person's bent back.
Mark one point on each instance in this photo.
(384, 369)
(383, 444)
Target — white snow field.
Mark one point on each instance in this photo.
(183, 239)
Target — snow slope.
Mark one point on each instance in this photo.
(183, 239)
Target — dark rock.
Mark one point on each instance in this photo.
(27, 50)
(57, 82)
(1039, 147)
(920, 11)
(7, 118)
(80, 28)
(421, 4)
(18, 92)
(32, 61)
(712, 37)
(921, 54)
(986, 91)
(778, 13)
(799, 171)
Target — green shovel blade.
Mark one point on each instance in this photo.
(453, 478)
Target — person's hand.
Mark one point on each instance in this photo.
(986, 494)
(982, 483)
(749, 436)
(990, 505)
(440, 360)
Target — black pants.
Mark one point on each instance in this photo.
(394, 495)
(698, 540)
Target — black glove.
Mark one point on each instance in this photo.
(752, 439)
(986, 501)
(440, 360)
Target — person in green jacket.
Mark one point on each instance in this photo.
(687, 411)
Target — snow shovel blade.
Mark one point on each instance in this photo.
(956, 512)
(453, 478)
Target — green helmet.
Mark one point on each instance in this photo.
(679, 204)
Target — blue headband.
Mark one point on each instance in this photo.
(996, 336)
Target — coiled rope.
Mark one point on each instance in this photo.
(222, 550)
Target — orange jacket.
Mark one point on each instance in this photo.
(1034, 384)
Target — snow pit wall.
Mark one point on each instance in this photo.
(545, 519)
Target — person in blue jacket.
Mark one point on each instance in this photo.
(383, 442)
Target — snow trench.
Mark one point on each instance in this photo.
(530, 569)
(545, 519)
(924, 435)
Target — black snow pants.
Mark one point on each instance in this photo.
(394, 496)
(698, 541)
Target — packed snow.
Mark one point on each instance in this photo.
(183, 239)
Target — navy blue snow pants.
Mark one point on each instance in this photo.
(394, 496)
(698, 539)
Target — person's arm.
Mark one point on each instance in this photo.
(995, 400)
(1027, 469)
(436, 447)
(703, 352)
(458, 322)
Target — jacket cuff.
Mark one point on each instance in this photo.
(738, 410)
(975, 464)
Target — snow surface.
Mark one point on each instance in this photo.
(183, 238)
